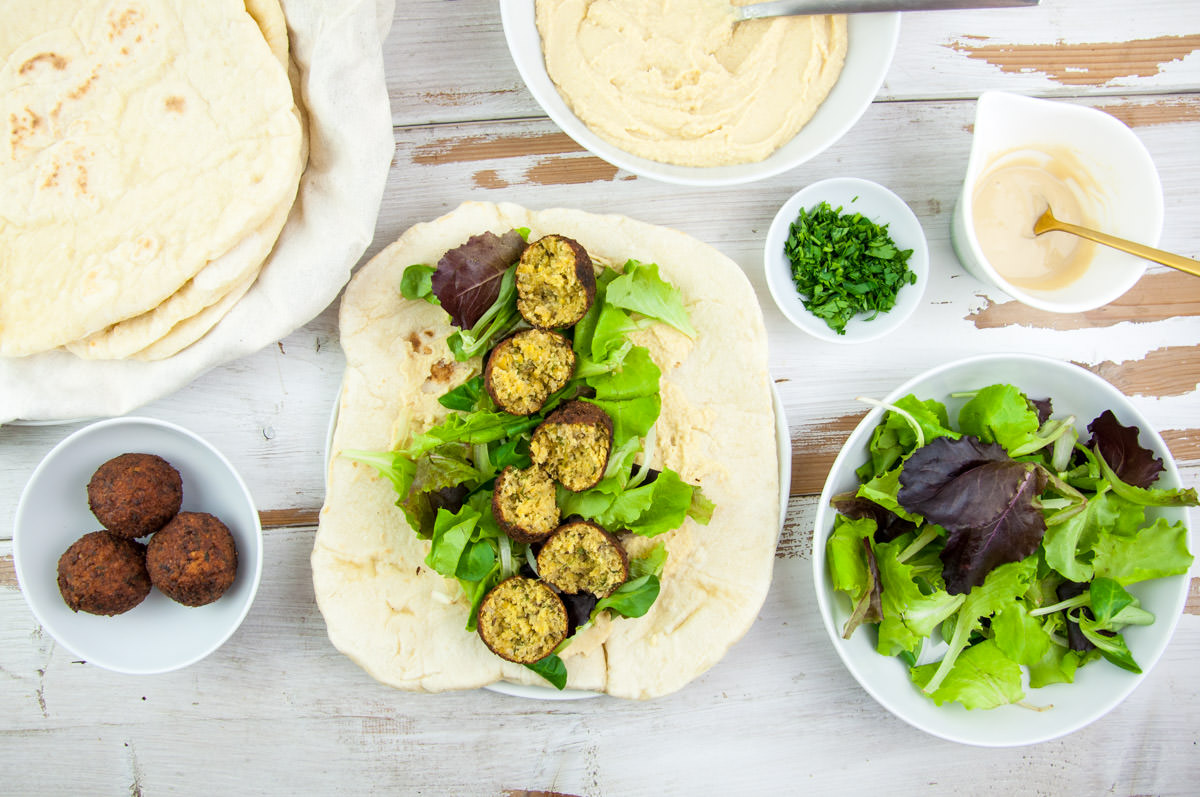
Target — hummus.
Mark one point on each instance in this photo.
(678, 81)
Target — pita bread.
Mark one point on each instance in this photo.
(403, 623)
(146, 139)
(210, 288)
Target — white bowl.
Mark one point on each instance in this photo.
(1121, 191)
(876, 203)
(871, 44)
(158, 635)
(1100, 686)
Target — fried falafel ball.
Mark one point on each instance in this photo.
(582, 557)
(193, 559)
(522, 620)
(135, 494)
(524, 503)
(524, 369)
(103, 573)
(556, 282)
(573, 444)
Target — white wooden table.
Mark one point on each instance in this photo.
(277, 709)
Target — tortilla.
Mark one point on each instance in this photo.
(146, 138)
(402, 622)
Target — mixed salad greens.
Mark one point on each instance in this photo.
(444, 475)
(1007, 537)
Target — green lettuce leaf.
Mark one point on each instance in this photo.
(909, 615)
(1002, 587)
(982, 677)
(1156, 551)
(642, 290)
(1020, 636)
(1000, 414)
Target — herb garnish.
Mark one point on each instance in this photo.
(845, 264)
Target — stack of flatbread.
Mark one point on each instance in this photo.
(151, 156)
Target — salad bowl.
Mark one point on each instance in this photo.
(1041, 713)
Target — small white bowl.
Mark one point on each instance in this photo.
(1099, 686)
(852, 195)
(1121, 191)
(158, 635)
(871, 43)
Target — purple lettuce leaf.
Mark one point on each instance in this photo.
(985, 500)
(467, 279)
(889, 525)
(1119, 447)
(1043, 407)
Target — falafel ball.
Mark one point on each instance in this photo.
(524, 503)
(135, 494)
(193, 559)
(103, 573)
(582, 557)
(522, 620)
(573, 444)
(524, 369)
(556, 282)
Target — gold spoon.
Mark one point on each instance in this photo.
(1047, 223)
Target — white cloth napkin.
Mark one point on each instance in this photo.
(338, 49)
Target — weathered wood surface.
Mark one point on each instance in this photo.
(277, 709)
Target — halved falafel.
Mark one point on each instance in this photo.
(556, 282)
(522, 620)
(103, 573)
(193, 559)
(135, 494)
(524, 503)
(525, 368)
(582, 557)
(573, 444)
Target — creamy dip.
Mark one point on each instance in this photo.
(678, 81)
(1010, 197)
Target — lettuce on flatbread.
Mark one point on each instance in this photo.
(402, 622)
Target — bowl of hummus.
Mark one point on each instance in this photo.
(680, 92)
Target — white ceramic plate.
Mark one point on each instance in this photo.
(876, 203)
(1100, 686)
(159, 634)
(872, 42)
(783, 442)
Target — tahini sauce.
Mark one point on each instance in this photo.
(1010, 197)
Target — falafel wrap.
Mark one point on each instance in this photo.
(402, 621)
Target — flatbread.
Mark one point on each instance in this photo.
(403, 623)
(146, 138)
(268, 15)
(234, 270)
(186, 315)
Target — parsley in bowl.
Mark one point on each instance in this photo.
(846, 260)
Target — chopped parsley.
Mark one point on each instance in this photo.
(844, 264)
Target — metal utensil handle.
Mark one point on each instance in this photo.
(1138, 250)
(788, 7)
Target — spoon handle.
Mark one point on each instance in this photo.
(783, 8)
(1139, 250)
